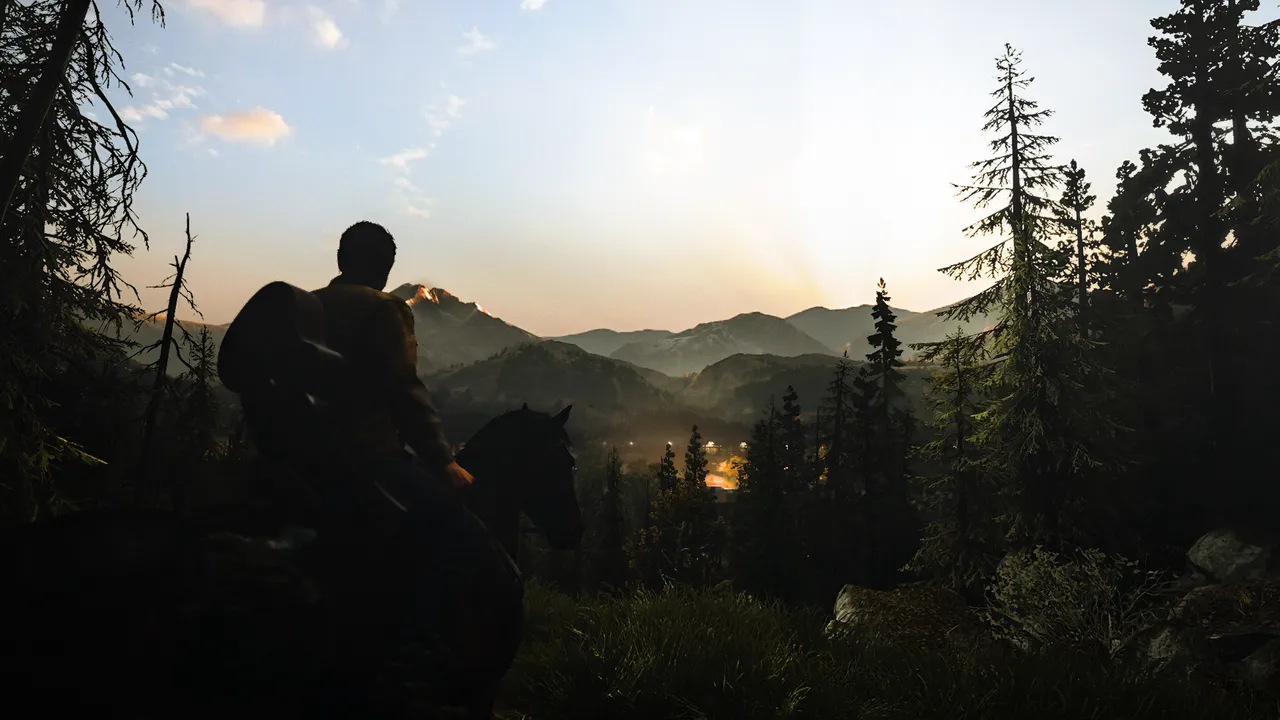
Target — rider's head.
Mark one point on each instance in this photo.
(366, 253)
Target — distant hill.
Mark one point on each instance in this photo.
(150, 331)
(606, 342)
(452, 332)
(706, 344)
(740, 387)
(548, 374)
(849, 328)
(651, 384)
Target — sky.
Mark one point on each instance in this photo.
(576, 164)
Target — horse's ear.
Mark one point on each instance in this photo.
(524, 406)
(563, 416)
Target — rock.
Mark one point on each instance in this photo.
(1227, 634)
(916, 616)
(1227, 557)
(1249, 606)
(1169, 648)
(1191, 580)
(1261, 669)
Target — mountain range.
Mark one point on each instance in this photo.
(647, 381)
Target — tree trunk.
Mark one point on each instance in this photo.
(1083, 276)
(145, 490)
(36, 106)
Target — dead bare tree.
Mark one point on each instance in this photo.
(146, 488)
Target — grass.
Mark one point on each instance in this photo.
(717, 654)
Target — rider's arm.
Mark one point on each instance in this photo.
(410, 403)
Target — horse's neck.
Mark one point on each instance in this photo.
(492, 499)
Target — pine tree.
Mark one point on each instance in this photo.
(835, 464)
(667, 476)
(1022, 170)
(1217, 68)
(68, 182)
(611, 562)
(765, 548)
(198, 409)
(885, 379)
(1182, 232)
(794, 443)
(959, 543)
(695, 461)
(684, 544)
(1043, 429)
(1076, 201)
(886, 412)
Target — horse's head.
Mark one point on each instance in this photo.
(525, 457)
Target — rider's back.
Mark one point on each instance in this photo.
(374, 331)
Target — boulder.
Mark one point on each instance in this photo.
(1261, 669)
(1169, 648)
(1228, 557)
(1222, 633)
(914, 616)
(1248, 606)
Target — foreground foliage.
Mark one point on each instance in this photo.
(720, 654)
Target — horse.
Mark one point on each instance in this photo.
(105, 592)
(99, 601)
(274, 356)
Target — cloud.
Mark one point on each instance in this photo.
(415, 201)
(166, 97)
(389, 9)
(532, 4)
(324, 31)
(174, 68)
(476, 43)
(236, 13)
(438, 124)
(401, 160)
(439, 121)
(258, 126)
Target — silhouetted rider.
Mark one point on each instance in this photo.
(374, 331)
(451, 550)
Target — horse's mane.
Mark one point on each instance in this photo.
(518, 427)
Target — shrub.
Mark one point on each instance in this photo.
(1088, 602)
(684, 653)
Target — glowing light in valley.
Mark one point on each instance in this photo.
(725, 475)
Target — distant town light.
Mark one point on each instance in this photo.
(742, 445)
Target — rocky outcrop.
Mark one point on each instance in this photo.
(1227, 632)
